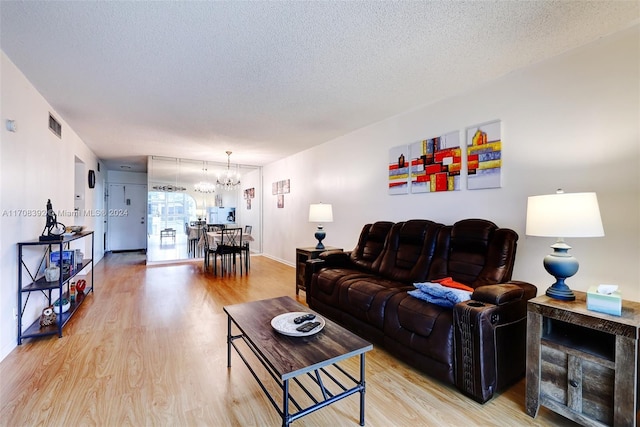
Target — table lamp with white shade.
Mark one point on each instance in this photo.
(320, 213)
(563, 215)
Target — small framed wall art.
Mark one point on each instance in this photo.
(398, 169)
(484, 156)
(436, 164)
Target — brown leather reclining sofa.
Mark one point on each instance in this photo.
(479, 345)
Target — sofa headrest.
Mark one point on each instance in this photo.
(409, 250)
(471, 235)
(370, 244)
(481, 253)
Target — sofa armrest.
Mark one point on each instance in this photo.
(335, 258)
(490, 344)
(504, 292)
(490, 338)
(312, 266)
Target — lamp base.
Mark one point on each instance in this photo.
(320, 235)
(560, 292)
(560, 264)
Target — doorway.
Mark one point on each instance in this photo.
(168, 215)
(127, 217)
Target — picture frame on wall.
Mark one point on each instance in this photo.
(484, 155)
(398, 170)
(249, 193)
(436, 164)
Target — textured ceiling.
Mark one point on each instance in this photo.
(269, 79)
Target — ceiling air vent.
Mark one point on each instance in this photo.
(55, 126)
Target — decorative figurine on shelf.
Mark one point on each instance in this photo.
(54, 230)
(48, 317)
(80, 285)
(72, 292)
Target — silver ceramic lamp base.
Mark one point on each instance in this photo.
(560, 264)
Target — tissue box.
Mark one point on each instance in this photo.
(610, 304)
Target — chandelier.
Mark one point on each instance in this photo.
(205, 186)
(230, 180)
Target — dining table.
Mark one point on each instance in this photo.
(214, 237)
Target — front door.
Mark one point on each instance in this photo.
(126, 216)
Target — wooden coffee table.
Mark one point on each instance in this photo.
(305, 368)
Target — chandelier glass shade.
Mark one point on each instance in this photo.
(205, 186)
(229, 180)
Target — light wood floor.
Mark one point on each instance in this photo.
(149, 348)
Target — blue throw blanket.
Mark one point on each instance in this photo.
(437, 294)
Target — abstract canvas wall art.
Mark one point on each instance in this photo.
(399, 170)
(484, 156)
(436, 164)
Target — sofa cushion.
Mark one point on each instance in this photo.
(423, 327)
(370, 246)
(327, 283)
(365, 298)
(409, 251)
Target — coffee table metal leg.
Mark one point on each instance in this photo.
(285, 404)
(228, 341)
(362, 391)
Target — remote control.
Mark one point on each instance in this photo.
(304, 318)
(307, 327)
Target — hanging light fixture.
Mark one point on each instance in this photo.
(231, 180)
(205, 186)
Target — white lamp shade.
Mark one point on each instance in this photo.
(320, 212)
(564, 215)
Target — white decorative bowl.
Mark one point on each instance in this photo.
(66, 305)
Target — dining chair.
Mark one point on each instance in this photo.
(193, 235)
(246, 250)
(230, 245)
(208, 251)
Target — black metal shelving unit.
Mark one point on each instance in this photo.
(33, 283)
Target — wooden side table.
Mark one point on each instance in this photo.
(583, 364)
(302, 255)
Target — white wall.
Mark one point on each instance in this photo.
(36, 165)
(570, 122)
(120, 177)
